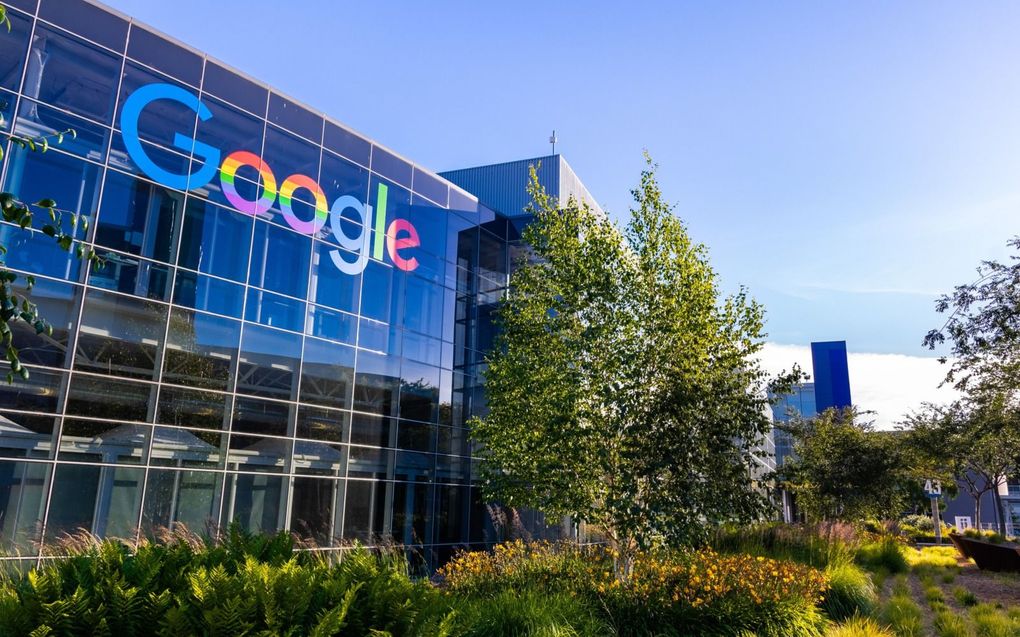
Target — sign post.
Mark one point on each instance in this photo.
(934, 489)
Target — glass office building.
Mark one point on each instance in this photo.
(286, 328)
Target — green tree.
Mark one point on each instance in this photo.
(844, 469)
(976, 441)
(60, 225)
(984, 328)
(623, 389)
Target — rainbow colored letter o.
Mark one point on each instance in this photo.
(292, 183)
(229, 168)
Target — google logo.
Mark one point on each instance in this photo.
(400, 235)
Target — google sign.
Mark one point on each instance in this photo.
(400, 235)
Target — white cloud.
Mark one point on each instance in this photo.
(891, 385)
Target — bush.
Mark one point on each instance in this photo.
(886, 554)
(701, 593)
(987, 536)
(851, 592)
(510, 614)
(858, 627)
(964, 596)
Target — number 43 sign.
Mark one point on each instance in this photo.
(933, 488)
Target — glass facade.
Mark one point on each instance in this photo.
(287, 327)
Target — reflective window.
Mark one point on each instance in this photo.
(390, 166)
(23, 487)
(280, 260)
(412, 504)
(161, 120)
(295, 118)
(192, 408)
(375, 431)
(88, 20)
(382, 291)
(269, 363)
(71, 182)
(257, 453)
(265, 417)
(157, 52)
(451, 513)
(201, 350)
(419, 392)
(327, 374)
(41, 392)
(215, 240)
(103, 397)
(377, 384)
(102, 441)
(416, 436)
(32, 251)
(330, 286)
(131, 275)
(366, 462)
(27, 435)
(312, 515)
(431, 187)
(104, 501)
(181, 501)
(120, 335)
(255, 502)
(332, 325)
(344, 142)
(37, 120)
(72, 74)
(364, 510)
(206, 293)
(12, 51)
(231, 130)
(275, 310)
(178, 447)
(238, 90)
(424, 303)
(322, 424)
(139, 217)
(58, 304)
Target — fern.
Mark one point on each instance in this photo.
(332, 621)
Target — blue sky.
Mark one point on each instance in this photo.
(845, 161)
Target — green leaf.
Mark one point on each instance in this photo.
(46, 203)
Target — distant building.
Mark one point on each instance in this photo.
(502, 187)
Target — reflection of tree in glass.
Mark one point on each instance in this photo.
(15, 306)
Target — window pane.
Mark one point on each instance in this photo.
(330, 286)
(419, 392)
(12, 51)
(411, 506)
(71, 182)
(101, 500)
(149, 48)
(201, 350)
(424, 307)
(206, 293)
(368, 462)
(255, 453)
(58, 304)
(264, 417)
(332, 325)
(22, 506)
(344, 142)
(88, 20)
(103, 397)
(215, 240)
(191, 408)
(322, 424)
(451, 517)
(34, 252)
(255, 502)
(364, 510)
(274, 310)
(120, 335)
(293, 117)
(327, 374)
(390, 166)
(235, 89)
(40, 393)
(181, 501)
(77, 77)
(139, 217)
(161, 120)
(269, 363)
(280, 260)
(131, 275)
(375, 431)
(178, 447)
(27, 436)
(102, 441)
(89, 139)
(377, 384)
(312, 510)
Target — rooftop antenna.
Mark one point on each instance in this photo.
(553, 140)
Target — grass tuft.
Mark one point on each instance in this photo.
(851, 592)
(964, 596)
(859, 627)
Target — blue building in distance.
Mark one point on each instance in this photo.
(832, 377)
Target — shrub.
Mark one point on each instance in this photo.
(858, 627)
(964, 596)
(886, 554)
(530, 612)
(987, 536)
(949, 624)
(851, 592)
(701, 593)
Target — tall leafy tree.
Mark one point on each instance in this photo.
(623, 389)
(983, 328)
(844, 469)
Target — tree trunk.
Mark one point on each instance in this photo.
(977, 510)
(999, 517)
